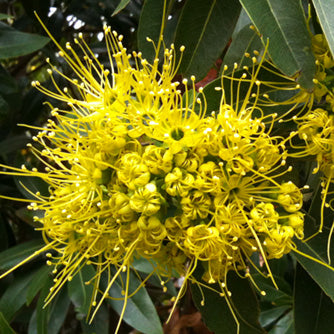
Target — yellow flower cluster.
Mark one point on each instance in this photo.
(315, 130)
(136, 168)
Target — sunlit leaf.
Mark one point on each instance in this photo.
(284, 23)
(120, 6)
(205, 28)
(325, 11)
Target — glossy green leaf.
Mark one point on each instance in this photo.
(100, 323)
(284, 23)
(32, 327)
(243, 20)
(49, 319)
(149, 26)
(205, 28)
(140, 312)
(80, 293)
(29, 185)
(247, 40)
(4, 326)
(58, 312)
(217, 314)
(313, 311)
(14, 43)
(38, 281)
(15, 295)
(317, 246)
(16, 254)
(120, 6)
(42, 312)
(145, 267)
(280, 296)
(284, 325)
(325, 12)
(269, 317)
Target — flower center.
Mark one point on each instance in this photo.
(177, 134)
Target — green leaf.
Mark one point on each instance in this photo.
(317, 248)
(34, 184)
(5, 16)
(49, 319)
(284, 23)
(42, 313)
(149, 26)
(120, 6)
(280, 296)
(271, 316)
(15, 295)
(217, 314)
(16, 254)
(213, 96)
(143, 265)
(247, 40)
(284, 325)
(205, 28)
(14, 43)
(325, 12)
(8, 84)
(32, 327)
(243, 20)
(58, 312)
(100, 324)
(13, 143)
(313, 310)
(38, 281)
(140, 312)
(4, 326)
(80, 293)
